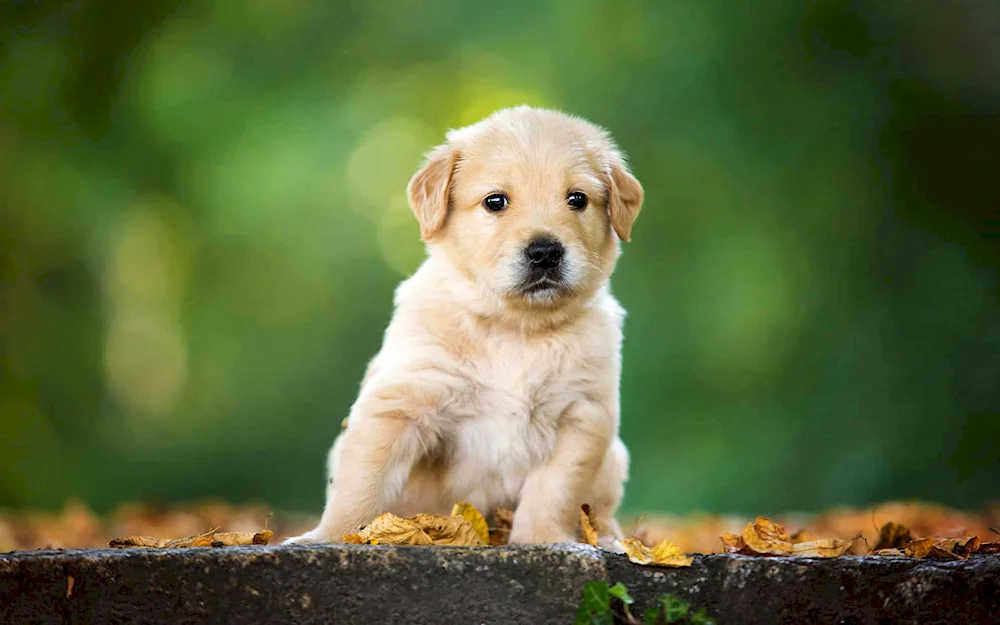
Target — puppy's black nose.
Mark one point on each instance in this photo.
(544, 253)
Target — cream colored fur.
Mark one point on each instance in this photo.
(480, 392)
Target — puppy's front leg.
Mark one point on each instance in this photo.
(549, 509)
(376, 454)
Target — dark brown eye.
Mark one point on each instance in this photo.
(577, 201)
(495, 202)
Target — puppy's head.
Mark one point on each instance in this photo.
(529, 204)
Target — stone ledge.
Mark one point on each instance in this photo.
(500, 585)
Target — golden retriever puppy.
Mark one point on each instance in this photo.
(497, 381)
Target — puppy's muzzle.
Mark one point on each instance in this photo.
(544, 258)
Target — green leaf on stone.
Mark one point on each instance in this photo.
(652, 616)
(595, 609)
(619, 590)
(701, 618)
(675, 609)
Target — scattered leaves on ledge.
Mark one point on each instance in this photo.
(212, 538)
(465, 527)
(764, 537)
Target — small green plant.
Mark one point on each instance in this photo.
(603, 604)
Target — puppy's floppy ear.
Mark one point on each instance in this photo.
(624, 199)
(429, 190)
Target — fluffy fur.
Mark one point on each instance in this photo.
(485, 391)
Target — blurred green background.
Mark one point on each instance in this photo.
(202, 220)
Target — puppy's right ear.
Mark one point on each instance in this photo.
(429, 190)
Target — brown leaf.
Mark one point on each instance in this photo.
(198, 540)
(824, 548)
(765, 537)
(475, 518)
(663, 554)
(892, 536)
(962, 547)
(993, 547)
(503, 519)
(942, 554)
(127, 542)
(734, 543)
(229, 539)
(589, 533)
(890, 552)
(919, 548)
(389, 529)
(449, 530)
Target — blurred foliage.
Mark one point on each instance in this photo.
(202, 219)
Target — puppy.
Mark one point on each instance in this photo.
(498, 378)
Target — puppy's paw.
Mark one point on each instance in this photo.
(314, 537)
(526, 534)
(610, 543)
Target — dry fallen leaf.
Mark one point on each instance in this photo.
(824, 548)
(138, 541)
(589, 533)
(422, 529)
(918, 548)
(993, 547)
(802, 536)
(890, 552)
(449, 530)
(733, 543)
(663, 554)
(892, 536)
(962, 547)
(389, 529)
(503, 519)
(212, 538)
(475, 518)
(765, 537)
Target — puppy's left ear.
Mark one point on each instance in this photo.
(429, 190)
(624, 199)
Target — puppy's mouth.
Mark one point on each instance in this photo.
(536, 283)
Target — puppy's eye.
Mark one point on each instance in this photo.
(577, 201)
(495, 202)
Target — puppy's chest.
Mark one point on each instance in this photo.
(509, 414)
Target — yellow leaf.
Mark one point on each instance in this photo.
(475, 518)
(824, 548)
(448, 530)
(589, 533)
(663, 554)
(733, 543)
(353, 539)
(802, 536)
(389, 529)
(764, 536)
